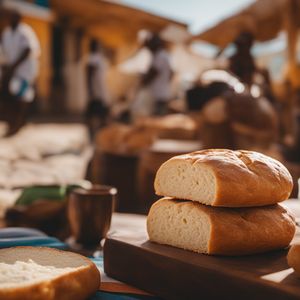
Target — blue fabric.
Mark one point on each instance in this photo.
(16, 232)
(23, 88)
(44, 3)
(18, 236)
(98, 261)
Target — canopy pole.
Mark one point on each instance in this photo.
(290, 21)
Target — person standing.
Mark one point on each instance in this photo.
(158, 77)
(98, 106)
(21, 50)
(242, 63)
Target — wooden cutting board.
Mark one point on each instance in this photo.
(173, 273)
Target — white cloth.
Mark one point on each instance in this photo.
(99, 90)
(160, 86)
(14, 42)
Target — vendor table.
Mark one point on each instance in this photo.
(129, 227)
(173, 273)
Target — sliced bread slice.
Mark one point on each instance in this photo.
(40, 273)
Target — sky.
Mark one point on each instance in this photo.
(198, 14)
(202, 14)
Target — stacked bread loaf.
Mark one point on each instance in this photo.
(222, 202)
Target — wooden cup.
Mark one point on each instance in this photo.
(90, 212)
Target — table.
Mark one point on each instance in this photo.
(127, 224)
(122, 224)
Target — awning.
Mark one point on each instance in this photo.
(115, 24)
(264, 18)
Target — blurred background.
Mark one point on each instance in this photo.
(103, 92)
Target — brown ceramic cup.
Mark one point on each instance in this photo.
(90, 212)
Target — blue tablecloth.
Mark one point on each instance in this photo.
(16, 236)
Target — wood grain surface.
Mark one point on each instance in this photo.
(178, 274)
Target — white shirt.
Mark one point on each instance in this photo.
(14, 42)
(98, 83)
(160, 86)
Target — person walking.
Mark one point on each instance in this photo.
(21, 51)
(98, 106)
(158, 77)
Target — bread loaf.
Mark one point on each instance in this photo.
(219, 231)
(294, 258)
(124, 140)
(31, 273)
(220, 177)
(173, 126)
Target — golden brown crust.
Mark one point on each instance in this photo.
(244, 178)
(124, 140)
(293, 258)
(174, 126)
(240, 231)
(243, 231)
(79, 284)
